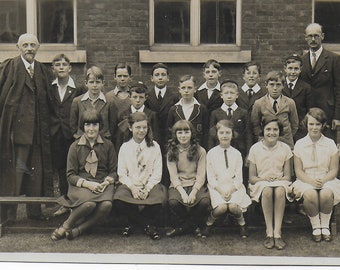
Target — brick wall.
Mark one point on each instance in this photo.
(113, 31)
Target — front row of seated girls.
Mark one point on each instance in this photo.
(140, 196)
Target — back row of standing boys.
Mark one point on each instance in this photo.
(286, 99)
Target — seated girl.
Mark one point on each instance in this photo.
(316, 163)
(139, 199)
(91, 172)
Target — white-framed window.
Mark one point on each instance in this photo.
(194, 31)
(52, 21)
(326, 13)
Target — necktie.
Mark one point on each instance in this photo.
(30, 71)
(314, 153)
(313, 63)
(91, 163)
(275, 106)
(290, 86)
(229, 114)
(226, 158)
(250, 93)
(140, 159)
(159, 96)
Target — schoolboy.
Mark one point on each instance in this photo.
(63, 91)
(298, 90)
(229, 110)
(93, 99)
(250, 90)
(138, 96)
(208, 93)
(274, 104)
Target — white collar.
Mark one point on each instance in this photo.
(70, 82)
(321, 141)
(83, 140)
(117, 90)
(86, 96)
(163, 90)
(317, 53)
(225, 107)
(288, 82)
(272, 100)
(204, 86)
(26, 63)
(193, 103)
(142, 145)
(255, 88)
(141, 109)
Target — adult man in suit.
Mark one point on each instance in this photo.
(24, 127)
(321, 69)
(64, 90)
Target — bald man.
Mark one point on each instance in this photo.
(321, 69)
(25, 157)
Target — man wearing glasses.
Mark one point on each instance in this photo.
(321, 69)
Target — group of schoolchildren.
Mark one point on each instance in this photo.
(202, 154)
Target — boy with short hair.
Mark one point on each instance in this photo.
(138, 96)
(274, 104)
(231, 111)
(208, 93)
(64, 90)
(298, 90)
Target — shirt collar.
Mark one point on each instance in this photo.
(278, 143)
(117, 90)
(142, 145)
(317, 53)
(272, 100)
(321, 141)
(83, 140)
(194, 102)
(86, 96)
(163, 90)
(26, 63)
(293, 82)
(225, 107)
(141, 109)
(204, 86)
(70, 82)
(255, 88)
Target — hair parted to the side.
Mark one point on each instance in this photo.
(139, 88)
(222, 123)
(187, 77)
(316, 113)
(276, 76)
(159, 65)
(230, 84)
(91, 116)
(268, 119)
(173, 146)
(138, 117)
(96, 72)
(250, 64)
(212, 62)
(122, 66)
(60, 57)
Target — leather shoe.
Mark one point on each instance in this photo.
(244, 231)
(326, 235)
(174, 232)
(269, 242)
(61, 211)
(126, 232)
(38, 217)
(279, 243)
(316, 237)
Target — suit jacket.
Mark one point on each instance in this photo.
(123, 126)
(162, 109)
(214, 102)
(61, 110)
(287, 115)
(24, 119)
(325, 82)
(242, 139)
(247, 103)
(302, 96)
(198, 118)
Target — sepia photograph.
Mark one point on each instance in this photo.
(169, 133)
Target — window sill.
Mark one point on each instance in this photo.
(191, 54)
(332, 47)
(46, 53)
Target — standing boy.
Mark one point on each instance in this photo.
(298, 90)
(274, 104)
(64, 90)
(208, 93)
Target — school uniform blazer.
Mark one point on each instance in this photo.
(287, 114)
(242, 140)
(171, 96)
(247, 103)
(214, 102)
(198, 118)
(325, 82)
(78, 107)
(61, 110)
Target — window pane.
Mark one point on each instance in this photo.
(12, 20)
(172, 21)
(327, 14)
(55, 21)
(218, 21)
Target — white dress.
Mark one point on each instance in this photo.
(316, 158)
(269, 162)
(219, 175)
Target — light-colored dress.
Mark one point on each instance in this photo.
(269, 162)
(219, 175)
(316, 158)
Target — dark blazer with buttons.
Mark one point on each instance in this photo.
(161, 109)
(302, 96)
(325, 82)
(198, 118)
(214, 102)
(242, 139)
(60, 110)
(247, 103)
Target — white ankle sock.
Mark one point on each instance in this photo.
(324, 219)
(240, 220)
(315, 222)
